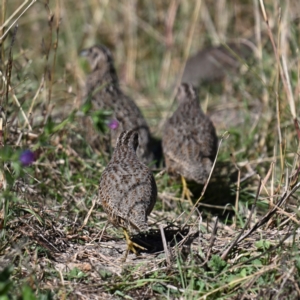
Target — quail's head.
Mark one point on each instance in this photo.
(98, 57)
(128, 139)
(186, 92)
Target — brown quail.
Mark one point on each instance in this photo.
(189, 139)
(102, 87)
(213, 63)
(127, 190)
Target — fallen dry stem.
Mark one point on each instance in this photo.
(236, 240)
(17, 102)
(89, 213)
(239, 280)
(282, 68)
(267, 217)
(236, 207)
(212, 241)
(207, 181)
(167, 253)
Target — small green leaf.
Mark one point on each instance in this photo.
(87, 106)
(243, 272)
(27, 293)
(263, 245)
(75, 273)
(216, 263)
(99, 118)
(105, 273)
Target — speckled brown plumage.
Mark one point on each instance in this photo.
(102, 86)
(189, 139)
(127, 190)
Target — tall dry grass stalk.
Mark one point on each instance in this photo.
(21, 9)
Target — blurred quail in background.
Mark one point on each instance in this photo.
(102, 88)
(213, 63)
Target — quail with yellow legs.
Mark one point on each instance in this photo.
(189, 140)
(127, 190)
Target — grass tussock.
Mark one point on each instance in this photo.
(240, 239)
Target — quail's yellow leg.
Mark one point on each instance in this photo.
(185, 191)
(130, 245)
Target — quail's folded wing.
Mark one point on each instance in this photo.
(128, 193)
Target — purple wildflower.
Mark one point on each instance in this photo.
(27, 157)
(113, 124)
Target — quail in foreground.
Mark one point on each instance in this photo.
(189, 140)
(127, 190)
(102, 88)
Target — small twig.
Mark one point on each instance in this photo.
(282, 68)
(264, 220)
(207, 181)
(237, 189)
(102, 232)
(290, 216)
(9, 64)
(61, 276)
(167, 253)
(26, 133)
(89, 213)
(248, 287)
(265, 180)
(12, 15)
(239, 280)
(285, 278)
(269, 251)
(16, 20)
(17, 102)
(161, 173)
(212, 241)
(227, 251)
(36, 95)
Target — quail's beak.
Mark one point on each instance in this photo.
(84, 52)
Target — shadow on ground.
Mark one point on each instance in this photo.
(152, 240)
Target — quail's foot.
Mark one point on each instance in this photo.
(131, 246)
(186, 193)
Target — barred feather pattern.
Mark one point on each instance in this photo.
(189, 138)
(127, 189)
(102, 87)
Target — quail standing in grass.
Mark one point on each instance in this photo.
(127, 190)
(189, 139)
(102, 88)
